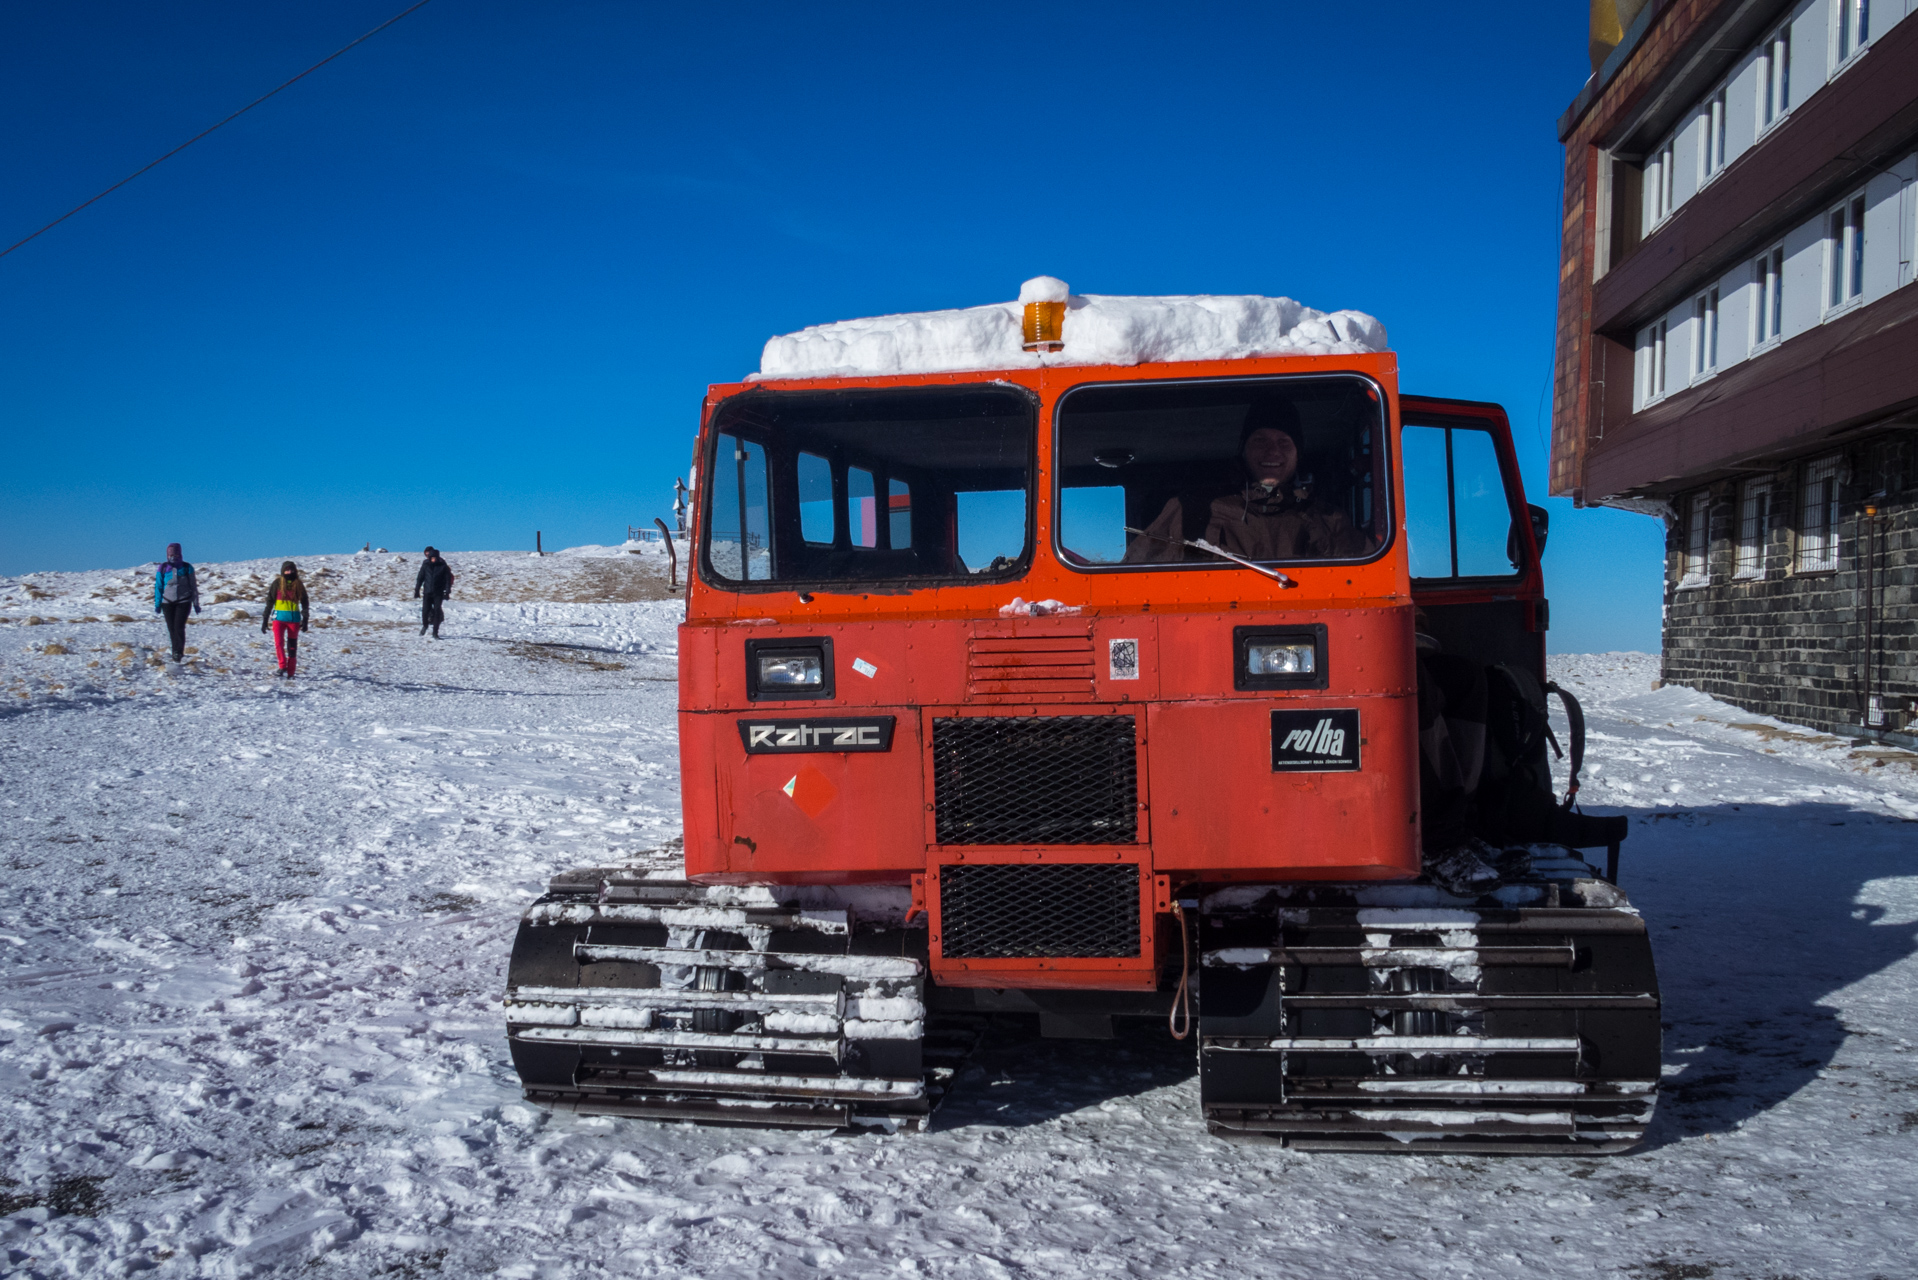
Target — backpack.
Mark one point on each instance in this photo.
(1496, 782)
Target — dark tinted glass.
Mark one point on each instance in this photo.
(1275, 470)
(870, 486)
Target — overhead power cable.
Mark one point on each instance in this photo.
(209, 129)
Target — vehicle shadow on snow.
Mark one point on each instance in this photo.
(1755, 923)
(1017, 1078)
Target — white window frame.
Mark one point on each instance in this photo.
(1907, 232)
(1818, 516)
(1660, 364)
(1774, 78)
(1768, 297)
(1711, 141)
(1695, 568)
(1754, 530)
(1844, 281)
(1850, 31)
(1648, 370)
(1658, 184)
(1705, 335)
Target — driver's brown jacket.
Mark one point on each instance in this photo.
(1254, 527)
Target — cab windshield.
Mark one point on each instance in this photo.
(1173, 474)
(913, 484)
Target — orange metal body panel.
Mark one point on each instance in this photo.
(1211, 806)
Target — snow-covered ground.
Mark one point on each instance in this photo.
(254, 939)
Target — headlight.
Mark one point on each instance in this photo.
(1282, 659)
(789, 667)
(791, 671)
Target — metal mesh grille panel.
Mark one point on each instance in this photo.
(1056, 909)
(1035, 780)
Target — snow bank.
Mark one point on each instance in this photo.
(1098, 329)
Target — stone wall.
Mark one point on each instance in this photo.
(1791, 643)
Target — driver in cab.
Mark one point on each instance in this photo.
(1271, 516)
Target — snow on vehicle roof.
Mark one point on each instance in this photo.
(1099, 329)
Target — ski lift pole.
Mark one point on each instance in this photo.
(672, 554)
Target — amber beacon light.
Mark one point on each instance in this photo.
(1045, 320)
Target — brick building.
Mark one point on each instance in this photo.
(1738, 338)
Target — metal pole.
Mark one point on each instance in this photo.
(672, 553)
(1451, 501)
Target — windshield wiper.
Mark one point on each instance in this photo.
(1202, 545)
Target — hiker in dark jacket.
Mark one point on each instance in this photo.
(176, 593)
(431, 587)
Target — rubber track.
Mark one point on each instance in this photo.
(1401, 1018)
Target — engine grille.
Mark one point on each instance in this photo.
(992, 911)
(1035, 780)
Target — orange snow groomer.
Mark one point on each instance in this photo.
(990, 678)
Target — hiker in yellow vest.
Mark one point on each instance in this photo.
(286, 610)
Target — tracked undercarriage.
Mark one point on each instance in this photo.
(636, 996)
(1346, 1017)
(1331, 1017)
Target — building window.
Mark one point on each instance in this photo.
(1774, 78)
(1754, 525)
(1696, 571)
(1654, 341)
(1818, 517)
(1768, 281)
(1845, 253)
(1658, 182)
(1711, 146)
(1853, 20)
(1705, 335)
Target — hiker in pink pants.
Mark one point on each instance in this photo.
(286, 608)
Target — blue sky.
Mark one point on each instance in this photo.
(472, 279)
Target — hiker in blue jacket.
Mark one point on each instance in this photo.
(176, 593)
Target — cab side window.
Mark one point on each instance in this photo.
(741, 529)
(815, 499)
(1458, 519)
(862, 516)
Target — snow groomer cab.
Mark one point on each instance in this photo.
(1064, 658)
